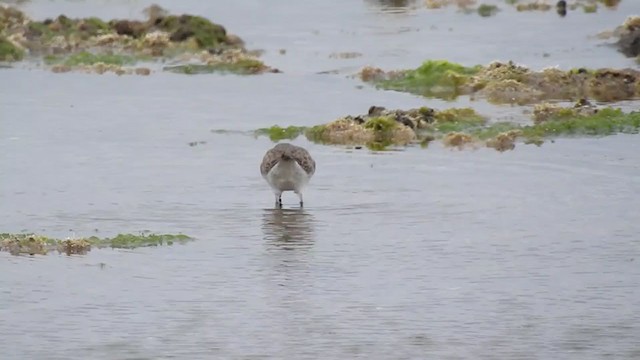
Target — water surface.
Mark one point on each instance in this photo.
(422, 253)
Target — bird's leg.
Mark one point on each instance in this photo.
(300, 196)
(279, 199)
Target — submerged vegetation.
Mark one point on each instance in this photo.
(461, 127)
(277, 133)
(239, 65)
(68, 44)
(87, 58)
(508, 83)
(32, 244)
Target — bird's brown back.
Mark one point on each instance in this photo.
(286, 150)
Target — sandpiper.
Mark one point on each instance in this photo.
(287, 167)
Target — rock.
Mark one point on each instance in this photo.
(511, 91)
(142, 71)
(629, 43)
(613, 85)
(236, 41)
(457, 139)
(504, 141)
(376, 110)
(74, 246)
(182, 34)
(131, 28)
(545, 111)
(405, 120)
(155, 13)
(372, 74)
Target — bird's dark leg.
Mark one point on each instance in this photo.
(300, 196)
(279, 200)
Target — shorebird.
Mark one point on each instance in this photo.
(287, 167)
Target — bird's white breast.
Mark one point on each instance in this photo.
(287, 176)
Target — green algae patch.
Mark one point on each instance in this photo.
(206, 33)
(508, 83)
(568, 122)
(494, 129)
(9, 51)
(460, 117)
(486, 10)
(316, 134)
(385, 132)
(277, 133)
(242, 66)
(382, 124)
(132, 241)
(32, 244)
(606, 121)
(88, 58)
(436, 78)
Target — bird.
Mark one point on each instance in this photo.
(287, 167)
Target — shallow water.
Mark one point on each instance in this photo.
(422, 253)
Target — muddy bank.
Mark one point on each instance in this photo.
(95, 45)
(508, 83)
(381, 128)
(33, 244)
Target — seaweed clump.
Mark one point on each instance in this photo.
(32, 244)
(508, 83)
(434, 78)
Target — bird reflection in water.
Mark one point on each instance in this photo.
(288, 229)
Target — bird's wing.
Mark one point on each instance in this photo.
(268, 162)
(305, 161)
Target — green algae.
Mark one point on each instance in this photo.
(438, 78)
(277, 133)
(9, 52)
(316, 133)
(239, 67)
(383, 129)
(381, 124)
(494, 129)
(94, 26)
(32, 244)
(206, 33)
(132, 241)
(486, 10)
(88, 58)
(606, 121)
(455, 120)
(460, 115)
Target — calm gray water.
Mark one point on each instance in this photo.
(416, 254)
